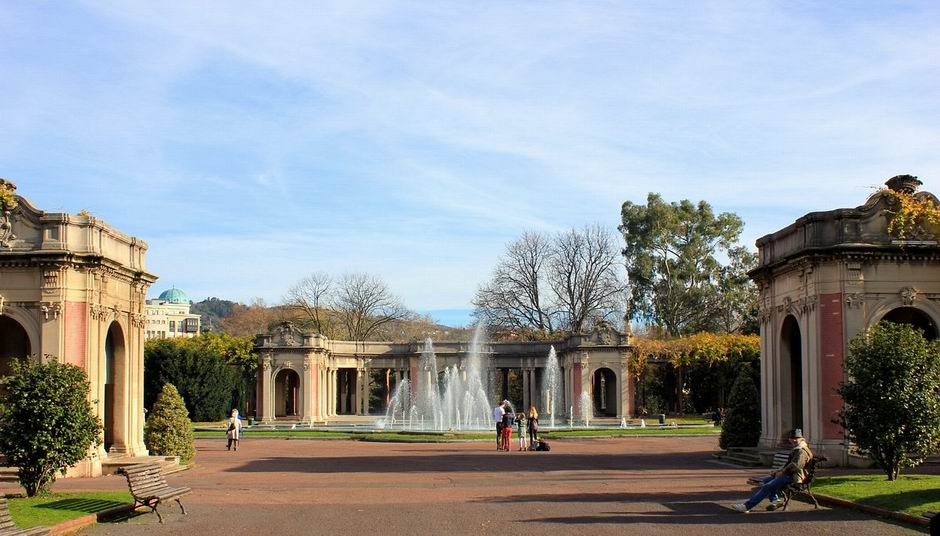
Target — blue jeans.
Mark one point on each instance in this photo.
(769, 489)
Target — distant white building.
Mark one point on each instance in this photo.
(168, 316)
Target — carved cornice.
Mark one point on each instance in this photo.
(800, 307)
(104, 313)
(853, 300)
(50, 310)
(908, 295)
(50, 277)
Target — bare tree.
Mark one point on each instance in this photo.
(310, 296)
(364, 304)
(517, 294)
(544, 283)
(586, 277)
(248, 320)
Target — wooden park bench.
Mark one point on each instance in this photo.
(149, 487)
(803, 488)
(934, 521)
(9, 528)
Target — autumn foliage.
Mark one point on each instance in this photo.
(711, 348)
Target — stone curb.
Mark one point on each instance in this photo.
(72, 525)
(828, 500)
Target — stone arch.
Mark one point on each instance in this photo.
(14, 344)
(29, 324)
(605, 389)
(114, 375)
(886, 307)
(287, 394)
(791, 374)
(911, 315)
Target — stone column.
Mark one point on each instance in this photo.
(321, 411)
(330, 399)
(525, 388)
(266, 391)
(334, 392)
(307, 390)
(366, 377)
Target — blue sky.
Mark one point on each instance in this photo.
(253, 143)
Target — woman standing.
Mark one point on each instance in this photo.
(234, 430)
(533, 426)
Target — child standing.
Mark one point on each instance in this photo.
(523, 429)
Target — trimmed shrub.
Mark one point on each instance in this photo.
(892, 410)
(46, 421)
(741, 425)
(168, 431)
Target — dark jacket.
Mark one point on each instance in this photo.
(796, 464)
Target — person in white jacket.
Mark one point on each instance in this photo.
(234, 431)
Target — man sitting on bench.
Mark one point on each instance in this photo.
(790, 473)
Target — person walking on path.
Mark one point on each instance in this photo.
(498, 413)
(533, 422)
(234, 430)
(522, 428)
(792, 472)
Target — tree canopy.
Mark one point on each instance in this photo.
(711, 348)
(212, 372)
(46, 421)
(677, 282)
(892, 410)
(356, 306)
(544, 283)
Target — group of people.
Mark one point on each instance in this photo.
(527, 427)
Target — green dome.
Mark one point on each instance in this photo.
(174, 295)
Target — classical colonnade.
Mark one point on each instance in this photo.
(309, 378)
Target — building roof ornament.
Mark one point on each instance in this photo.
(907, 184)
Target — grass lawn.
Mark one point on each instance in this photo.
(911, 494)
(55, 508)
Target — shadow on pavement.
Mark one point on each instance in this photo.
(492, 462)
(702, 513)
(659, 498)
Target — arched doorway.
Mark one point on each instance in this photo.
(286, 393)
(114, 399)
(605, 389)
(913, 317)
(791, 371)
(14, 344)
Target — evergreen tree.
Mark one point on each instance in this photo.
(741, 425)
(169, 431)
(892, 411)
(46, 421)
(202, 376)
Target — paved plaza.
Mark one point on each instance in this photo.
(604, 486)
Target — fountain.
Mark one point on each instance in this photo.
(552, 374)
(587, 409)
(456, 401)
